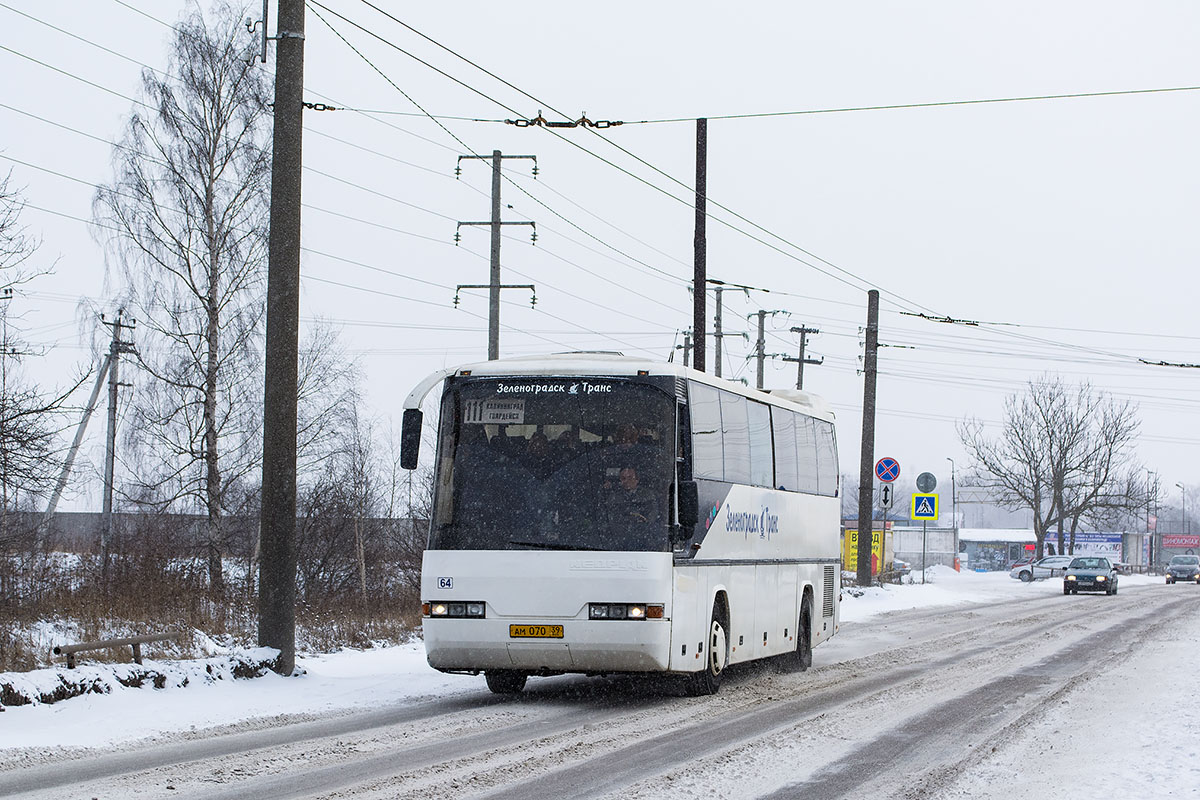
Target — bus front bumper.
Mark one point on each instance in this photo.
(585, 645)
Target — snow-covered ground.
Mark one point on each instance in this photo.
(396, 675)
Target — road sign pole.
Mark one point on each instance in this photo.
(924, 532)
(882, 509)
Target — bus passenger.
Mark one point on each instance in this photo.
(632, 503)
(538, 458)
(626, 451)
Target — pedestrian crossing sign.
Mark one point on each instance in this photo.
(925, 507)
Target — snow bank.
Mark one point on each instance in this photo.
(44, 686)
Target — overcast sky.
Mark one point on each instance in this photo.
(1069, 225)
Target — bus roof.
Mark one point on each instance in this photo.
(617, 364)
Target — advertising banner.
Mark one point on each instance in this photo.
(850, 551)
(1107, 545)
(1180, 540)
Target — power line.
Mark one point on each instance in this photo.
(417, 166)
(465, 146)
(605, 160)
(393, 273)
(934, 104)
(810, 111)
(76, 77)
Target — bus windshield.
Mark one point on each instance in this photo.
(553, 464)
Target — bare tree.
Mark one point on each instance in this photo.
(1062, 453)
(17, 245)
(339, 545)
(189, 202)
(30, 418)
(1104, 479)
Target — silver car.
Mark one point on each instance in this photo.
(1047, 567)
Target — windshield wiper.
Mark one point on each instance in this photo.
(549, 546)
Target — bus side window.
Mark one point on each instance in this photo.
(806, 454)
(736, 429)
(827, 466)
(707, 452)
(783, 423)
(762, 465)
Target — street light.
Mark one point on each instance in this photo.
(1183, 494)
(953, 509)
(1151, 551)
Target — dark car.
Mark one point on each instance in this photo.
(1183, 568)
(1090, 574)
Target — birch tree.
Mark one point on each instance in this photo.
(189, 207)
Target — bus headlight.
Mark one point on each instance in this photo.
(625, 611)
(473, 608)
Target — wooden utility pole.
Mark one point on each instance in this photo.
(494, 286)
(700, 274)
(277, 567)
(866, 464)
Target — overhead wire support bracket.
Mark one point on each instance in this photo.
(947, 320)
(583, 122)
(532, 290)
(1167, 364)
(253, 24)
(530, 223)
(458, 164)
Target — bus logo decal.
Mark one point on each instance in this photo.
(712, 515)
(763, 523)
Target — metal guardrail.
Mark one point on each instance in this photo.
(69, 650)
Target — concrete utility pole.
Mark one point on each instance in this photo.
(495, 224)
(69, 461)
(717, 334)
(801, 360)
(1183, 526)
(115, 348)
(954, 509)
(760, 348)
(277, 523)
(700, 251)
(866, 465)
(686, 347)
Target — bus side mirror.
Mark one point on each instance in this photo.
(689, 504)
(410, 438)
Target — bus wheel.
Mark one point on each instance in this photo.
(800, 659)
(708, 680)
(503, 681)
(804, 636)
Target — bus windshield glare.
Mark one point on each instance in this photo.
(553, 464)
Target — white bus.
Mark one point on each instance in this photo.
(599, 514)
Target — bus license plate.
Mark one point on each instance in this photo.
(535, 631)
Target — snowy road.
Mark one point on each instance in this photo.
(922, 703)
